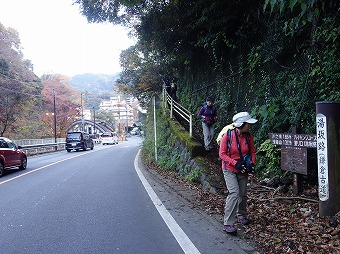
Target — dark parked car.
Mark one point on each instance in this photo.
(11, 156)
(78, 140)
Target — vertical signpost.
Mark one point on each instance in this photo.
(328, 155)
(327, 142)
(321, 130)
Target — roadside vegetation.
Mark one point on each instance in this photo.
(273, 58)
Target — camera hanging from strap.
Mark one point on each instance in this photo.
(247, 158)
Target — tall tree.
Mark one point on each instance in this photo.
(67, 106)
(20, 87)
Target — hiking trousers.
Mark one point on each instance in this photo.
(208, 133)
(236, 202)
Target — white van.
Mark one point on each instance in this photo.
(109, 138)
(135, 131)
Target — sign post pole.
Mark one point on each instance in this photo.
(328, 155)
(297, 178)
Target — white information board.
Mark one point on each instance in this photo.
(321, 134)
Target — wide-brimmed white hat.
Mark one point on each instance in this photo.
(242, 117)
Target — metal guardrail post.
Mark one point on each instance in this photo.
(190, 125)
(164, 98)
(180, 110)
(171, 108)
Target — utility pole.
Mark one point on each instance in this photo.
(94, 121)
(55, 117)
(155, 125)
(82, 112)
(119, 121)
(127, 122)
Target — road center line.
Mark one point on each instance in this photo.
(182, 239)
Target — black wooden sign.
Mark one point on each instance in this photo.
(294, 150)
(294, 159)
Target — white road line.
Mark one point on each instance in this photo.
(187, 246)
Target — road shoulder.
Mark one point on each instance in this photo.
(204, 230)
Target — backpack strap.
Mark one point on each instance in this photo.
(229, 134)
(238, 143)
(229, 141)
(205, 109)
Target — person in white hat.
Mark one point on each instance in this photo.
(237, 152)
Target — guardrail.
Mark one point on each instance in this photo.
(27, 142)
(178, 108)
(37, 146)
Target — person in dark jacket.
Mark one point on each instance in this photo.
(208, 115)
(173, 90)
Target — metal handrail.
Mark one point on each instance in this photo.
(42, 145)
(27, 142)
(178, 108)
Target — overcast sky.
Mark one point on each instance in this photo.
(58, 39)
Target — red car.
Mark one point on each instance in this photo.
(11, 156)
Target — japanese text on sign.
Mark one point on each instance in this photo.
(297, 140)
(321, 133)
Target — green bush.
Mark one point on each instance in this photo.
(194, 175)
(268, 160)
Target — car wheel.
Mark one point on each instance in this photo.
(2, 169)
(68, 150)
(23, 164)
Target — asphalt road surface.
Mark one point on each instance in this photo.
(102, 201)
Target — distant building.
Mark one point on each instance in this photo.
(124, 110)
(87, 114)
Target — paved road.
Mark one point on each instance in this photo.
(100, 201)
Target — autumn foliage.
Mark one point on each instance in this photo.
(67, 104)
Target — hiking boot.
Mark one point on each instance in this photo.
(244, 220)
(230, 229)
